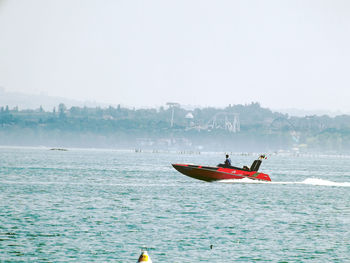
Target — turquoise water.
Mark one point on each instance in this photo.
(102, 206)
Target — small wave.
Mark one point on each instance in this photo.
(308, 181)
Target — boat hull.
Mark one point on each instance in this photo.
(209, 174)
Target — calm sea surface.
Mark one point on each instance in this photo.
(103, 206)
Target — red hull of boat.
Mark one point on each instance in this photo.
(209, 174)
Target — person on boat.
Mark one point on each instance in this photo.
(227, 161)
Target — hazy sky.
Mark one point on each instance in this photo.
(282, 54)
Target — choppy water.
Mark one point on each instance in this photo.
(102, 206)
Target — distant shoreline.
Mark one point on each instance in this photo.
(185, 152)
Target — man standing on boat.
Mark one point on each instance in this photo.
(227, 161)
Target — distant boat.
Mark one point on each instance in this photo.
(58, 149)
(223, 172)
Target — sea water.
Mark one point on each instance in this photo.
(104, 205)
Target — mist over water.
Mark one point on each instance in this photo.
(103, 205)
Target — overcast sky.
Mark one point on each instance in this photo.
(283, 54)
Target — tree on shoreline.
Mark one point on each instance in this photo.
(258, 126)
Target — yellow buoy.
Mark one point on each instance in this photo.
(144, 257)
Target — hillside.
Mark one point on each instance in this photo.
(234, 128)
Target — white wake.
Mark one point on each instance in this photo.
(308, 181)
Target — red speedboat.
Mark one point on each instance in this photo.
(223, 172)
